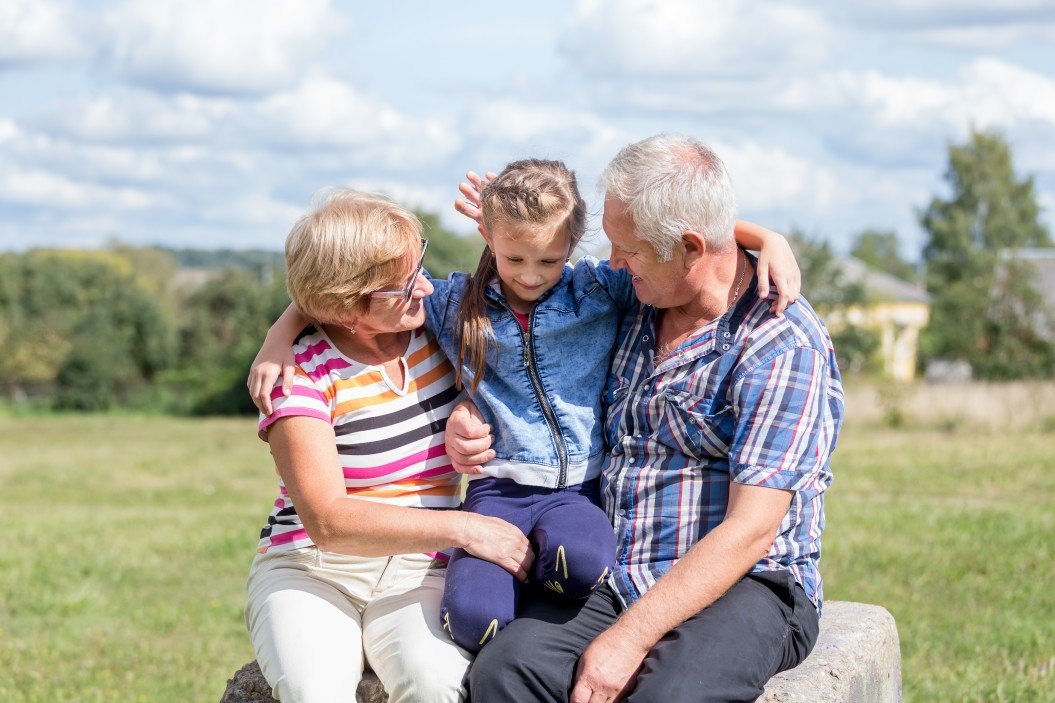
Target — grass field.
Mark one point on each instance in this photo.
(123, 576)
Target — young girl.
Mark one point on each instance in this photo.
(531, 338)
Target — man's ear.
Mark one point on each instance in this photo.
(694, 246)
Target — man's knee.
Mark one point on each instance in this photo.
(496, 668)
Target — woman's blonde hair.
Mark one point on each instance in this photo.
(348, 244)
(528, 197)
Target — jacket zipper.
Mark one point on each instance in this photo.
(547, 410)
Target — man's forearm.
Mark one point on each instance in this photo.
(709, 569)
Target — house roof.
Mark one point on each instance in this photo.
(1042, 261)
(880, 286)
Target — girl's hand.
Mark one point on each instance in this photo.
(470, 207)
(776, 261)
(273, 359)
(498, 542)
(468, 439)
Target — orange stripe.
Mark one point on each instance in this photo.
(361, 380)
(395, 491)
(356, 403)
(424, 353)
(430, 377)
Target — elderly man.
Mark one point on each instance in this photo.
(721, 421)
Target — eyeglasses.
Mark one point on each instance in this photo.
(408, 290)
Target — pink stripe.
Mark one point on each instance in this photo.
(440, 556)
(385, 469)
(279, 502)
(312, 351)
(303, 391)
(292, 412)
(287, 537)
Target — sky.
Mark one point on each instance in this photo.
(211, 124)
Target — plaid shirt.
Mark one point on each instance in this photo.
(750, 398)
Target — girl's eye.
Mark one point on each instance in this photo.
(549, 262)
(513, 261)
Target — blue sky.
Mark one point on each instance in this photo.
(210, 124)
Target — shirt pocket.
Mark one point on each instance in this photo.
(685, 428)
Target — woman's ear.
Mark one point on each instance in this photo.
(484, 233)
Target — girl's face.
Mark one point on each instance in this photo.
(528, 266)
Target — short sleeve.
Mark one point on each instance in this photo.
(306, 399)
(783, 430)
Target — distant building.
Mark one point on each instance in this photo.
(896, 309)
(1041, 266)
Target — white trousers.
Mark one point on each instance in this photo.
(314, 615)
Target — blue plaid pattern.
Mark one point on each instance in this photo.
(751, 398)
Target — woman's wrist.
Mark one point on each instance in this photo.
(459, 535)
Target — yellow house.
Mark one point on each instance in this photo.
(896, 309)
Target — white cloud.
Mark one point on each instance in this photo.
(693, 39)
(139, 117)
(34, 31)
(328, 114)
(902, 119)
(238, 47)
(57, 191)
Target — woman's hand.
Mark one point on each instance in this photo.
(273, 360)
(468, 439)
(776, 261)
(498, 542)
(470, 207)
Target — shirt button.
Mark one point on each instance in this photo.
(728, 334)
(725, 347)
(644, 338)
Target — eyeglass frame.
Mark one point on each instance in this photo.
(407, 291)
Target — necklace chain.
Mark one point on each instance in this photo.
(665, 350)
(740, 282)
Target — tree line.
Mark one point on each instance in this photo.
(128, 327)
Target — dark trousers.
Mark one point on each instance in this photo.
(574, 553)
(728, 651)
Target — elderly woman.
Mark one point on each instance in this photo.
(350, 564)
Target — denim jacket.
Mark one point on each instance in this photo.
(542, 389)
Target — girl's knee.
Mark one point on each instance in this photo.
(472, 625)
(574, 571)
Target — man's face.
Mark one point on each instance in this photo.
(654, 281)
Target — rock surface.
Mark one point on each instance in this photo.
(249, 686)
(857, 659)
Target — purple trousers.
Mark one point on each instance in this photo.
(574, 553)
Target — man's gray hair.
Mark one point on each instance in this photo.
(671, 183)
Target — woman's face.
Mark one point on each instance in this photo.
(397, 314)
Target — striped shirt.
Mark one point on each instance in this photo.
(389, 439)
(749, 398)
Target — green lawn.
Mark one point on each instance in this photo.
(123, 576)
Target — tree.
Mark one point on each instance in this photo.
(448, 251)
(990, 209)
(879, 249)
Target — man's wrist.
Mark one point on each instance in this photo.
(635, 632)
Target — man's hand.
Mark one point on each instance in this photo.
(608, 668)
(468, 439)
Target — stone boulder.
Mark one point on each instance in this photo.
(857, 659)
